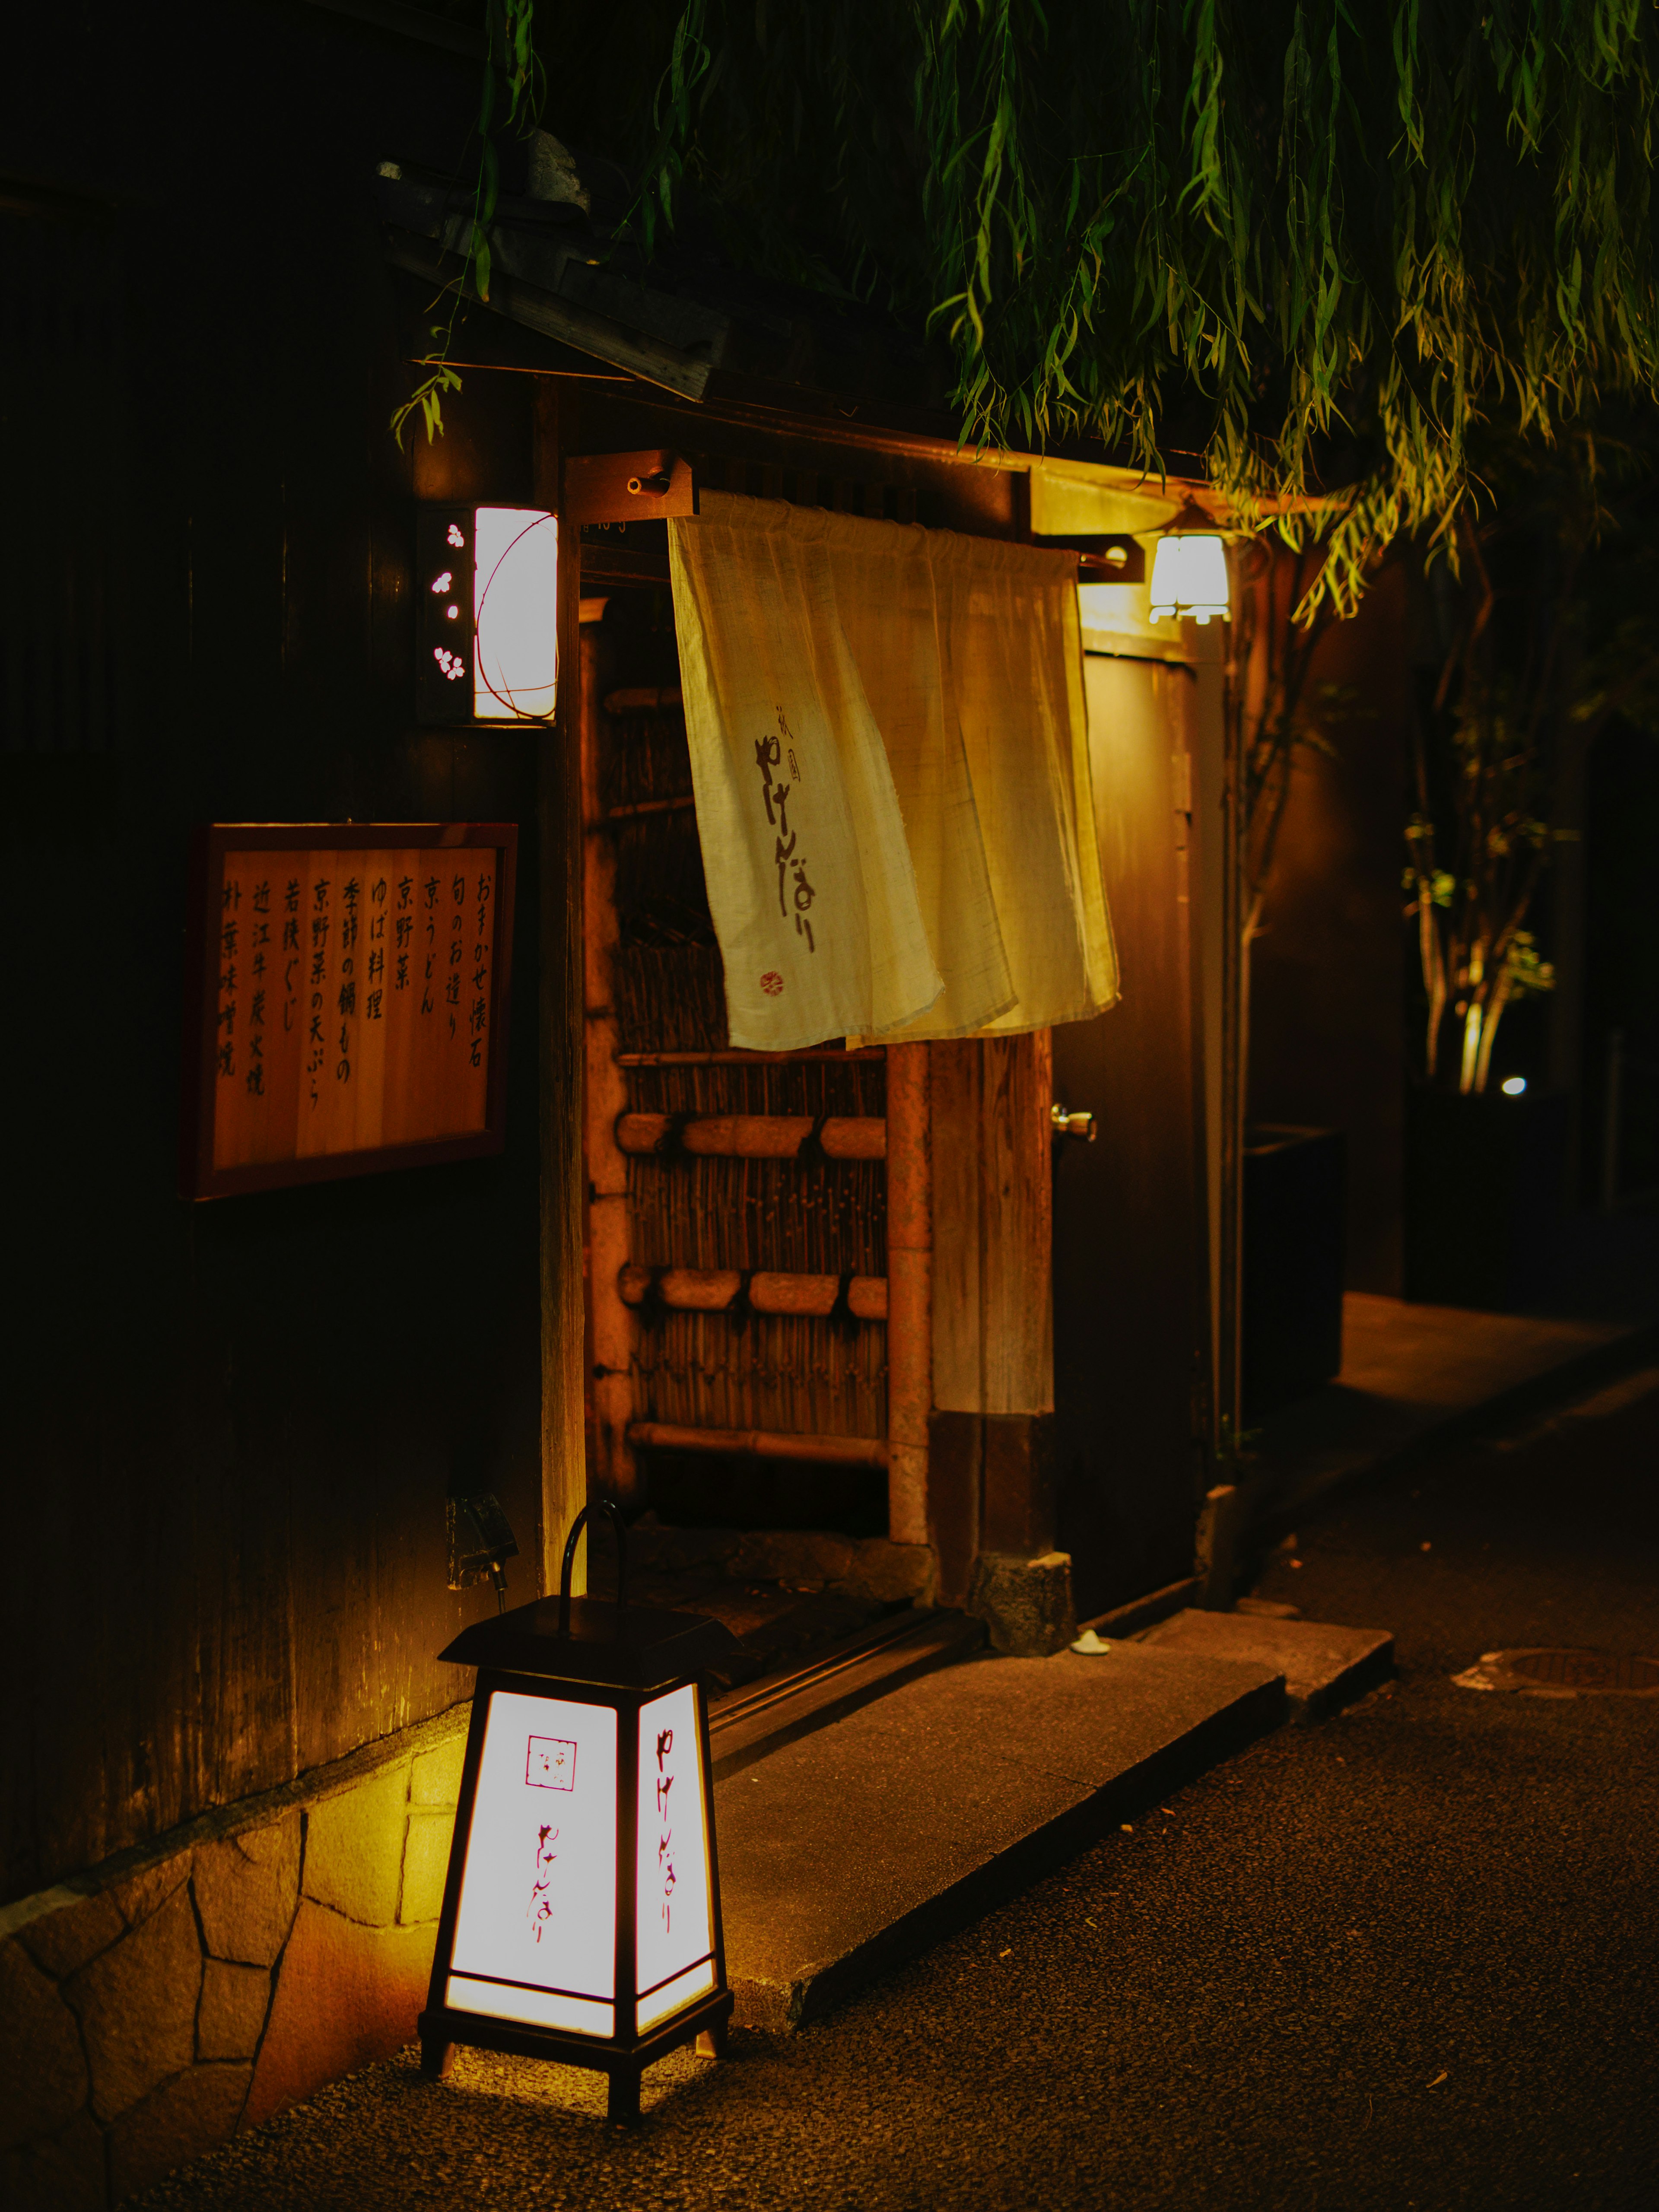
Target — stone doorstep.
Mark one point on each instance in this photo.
(1323, 1667)
(865, 1844)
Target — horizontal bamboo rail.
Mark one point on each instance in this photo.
(754, 1136)
(712, 1289)
(739, 1057)
(667, 1435)
(648, 806)
(649, 701)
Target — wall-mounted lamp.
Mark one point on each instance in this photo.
(487, 582)
(1190, 577)
(581, 1914)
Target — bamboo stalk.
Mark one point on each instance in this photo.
(668, 1436)
(712, 1289)
(756, 1136)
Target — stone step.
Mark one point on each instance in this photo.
(1323, 1667)
(749, 1723)
(869, 1840)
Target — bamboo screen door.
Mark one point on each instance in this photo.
(739, 1212)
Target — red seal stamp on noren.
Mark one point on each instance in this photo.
(771, 982)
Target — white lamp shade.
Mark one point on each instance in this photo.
(536, 1927)
(674, 1931)
(1190, 577)
(515, 613)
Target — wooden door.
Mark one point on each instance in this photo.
(1130, 1240)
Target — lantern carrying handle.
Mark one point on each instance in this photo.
(599, 1506)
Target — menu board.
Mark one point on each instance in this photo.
(353, 995)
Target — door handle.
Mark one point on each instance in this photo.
(1069, 1124)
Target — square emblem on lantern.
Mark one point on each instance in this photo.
(551, 1763)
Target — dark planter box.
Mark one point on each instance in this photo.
(1485, 1198)
(1295, 1195)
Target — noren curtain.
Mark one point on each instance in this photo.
(889, 758)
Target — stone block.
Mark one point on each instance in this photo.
(435, 1777)
(177, 2122)
(235, 2001)
(246, 1888)
(1025, 1604)
(354, 1847)
(799, 1559)
(346, 1995)
(426, 1862)
(1323, 1666)
(137, 2002)
(141, 1894)
(41, 2063)
(62, 1940)
(889, 1573)
(60, 2173)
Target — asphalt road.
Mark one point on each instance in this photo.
(1403, 1960)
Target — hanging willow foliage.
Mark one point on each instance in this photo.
(1333, 237)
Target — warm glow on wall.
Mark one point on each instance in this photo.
(1190, 577)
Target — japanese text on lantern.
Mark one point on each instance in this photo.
(356, 999)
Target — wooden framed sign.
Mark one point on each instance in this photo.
(350, 986)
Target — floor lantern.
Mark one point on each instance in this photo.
(582, 1912)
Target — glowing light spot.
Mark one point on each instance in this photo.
(443, 583)
(516, 555)
(1513, 1086)
(455, 537)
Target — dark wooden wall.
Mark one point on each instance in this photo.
(1327, 1007)
(230, 1429)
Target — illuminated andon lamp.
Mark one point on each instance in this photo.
(1190, 577)
(488, 635)
(581, 1913)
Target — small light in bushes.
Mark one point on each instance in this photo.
(581, 1915)
(487, 644)
(1513, 1086)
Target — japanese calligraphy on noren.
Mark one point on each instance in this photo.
(354, 992)
(774, 756)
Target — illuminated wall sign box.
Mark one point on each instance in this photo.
(582, 1916)
(351, 987)
(486, 583)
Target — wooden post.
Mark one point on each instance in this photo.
(993, 1344)
(909, 1291)
(564, 1459)
(610, 1334)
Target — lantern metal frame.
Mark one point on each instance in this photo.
(622, 1658)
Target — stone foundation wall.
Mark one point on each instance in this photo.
(150, 2009)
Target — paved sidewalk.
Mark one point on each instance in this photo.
(1415, 1376)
